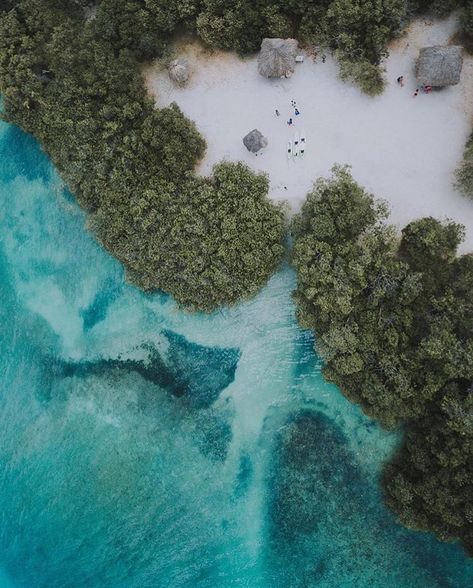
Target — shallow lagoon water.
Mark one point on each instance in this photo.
(142, 446)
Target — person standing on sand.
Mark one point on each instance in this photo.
(296, 112)
(324, 57)
(289, 122)
(277, 112)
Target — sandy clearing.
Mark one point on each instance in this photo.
(403, 149)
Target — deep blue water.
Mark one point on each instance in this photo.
(142, 446)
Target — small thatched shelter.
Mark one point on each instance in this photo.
(254, 141)
(277, 57)
(439, 66)
(179, 71)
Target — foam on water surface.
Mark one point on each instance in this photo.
(145, 446)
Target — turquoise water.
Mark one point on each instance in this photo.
(142, 446)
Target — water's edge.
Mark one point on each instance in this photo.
(144, 446)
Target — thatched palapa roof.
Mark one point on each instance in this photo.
(254, 141)
(277, 57)
(179, 71)
(439, 66)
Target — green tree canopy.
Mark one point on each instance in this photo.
(393, 320)
(209, 242)
(429, 483)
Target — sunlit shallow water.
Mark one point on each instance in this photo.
(142, 446)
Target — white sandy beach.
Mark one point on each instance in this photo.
(401, 148)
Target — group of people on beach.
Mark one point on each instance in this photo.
(290, 122)
(425, 89)
(296, 146)
(297, 112)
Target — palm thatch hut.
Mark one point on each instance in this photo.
(179, 71)
(254, 141)
(277, 57)
(439, 66)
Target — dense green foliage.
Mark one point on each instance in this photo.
(387, 326)
(464, 174)
(367, 76)
(359, 29)
(429, 484)
(208, 242)
(394, 321)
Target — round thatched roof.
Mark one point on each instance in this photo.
(254, 141)
(277, 57)
(179, 71)
(439, 66)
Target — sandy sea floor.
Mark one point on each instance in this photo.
(108, 479)
(401, 148)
